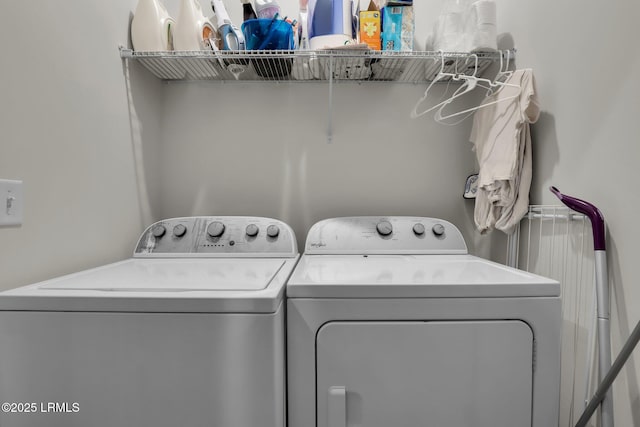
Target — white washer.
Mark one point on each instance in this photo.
(189, 332)
(391, 323)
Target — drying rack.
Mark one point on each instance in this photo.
(554, 241)
(573, 233)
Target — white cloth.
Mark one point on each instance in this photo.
(502, 142)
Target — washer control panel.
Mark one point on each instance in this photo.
(385, 235)
(222, 236)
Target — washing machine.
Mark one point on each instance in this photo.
(390, 322)
(189, 332)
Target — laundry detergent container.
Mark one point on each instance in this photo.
(331, 23)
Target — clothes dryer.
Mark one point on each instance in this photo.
(390, 322)
(188, 332)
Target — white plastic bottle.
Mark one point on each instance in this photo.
(193, 29)
(152, 27)
(267, 8)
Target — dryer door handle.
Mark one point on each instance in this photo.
(337, 405)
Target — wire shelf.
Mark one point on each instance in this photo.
(329, 65)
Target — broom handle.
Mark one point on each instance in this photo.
(604, 386)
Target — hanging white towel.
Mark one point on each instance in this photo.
(502, 141)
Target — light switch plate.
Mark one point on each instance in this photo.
(11, 203)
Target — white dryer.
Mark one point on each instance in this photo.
(189, 332)
(390, 322)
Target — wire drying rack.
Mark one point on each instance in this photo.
(326, 65)
(556, 242)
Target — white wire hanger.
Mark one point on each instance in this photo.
(491, 85)
(441, 74)
(470, 82)
(504, 74)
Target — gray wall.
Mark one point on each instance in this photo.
(261, 149)
(66, 134)
(586, 143)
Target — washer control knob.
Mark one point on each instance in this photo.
(215, 229)
(179, 230)
(252, 230)
(418, 229)
(438, 230)
(158, 231)
(384, 228)
(273, 231)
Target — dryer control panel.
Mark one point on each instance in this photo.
(385, 235)
(219, 236)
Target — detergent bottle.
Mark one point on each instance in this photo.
(152, 27)
(193, 30)
(330, 23)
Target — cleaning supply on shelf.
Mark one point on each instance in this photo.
(304, 24)
(370, 26)
(232, 38)
(398, 28)
(269, 34)
(331, 23)
(247, 10)
(152, 27)
(194, 31)
(267, 8)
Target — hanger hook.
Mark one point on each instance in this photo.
(475, 70)
(441, 61)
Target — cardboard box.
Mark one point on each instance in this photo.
(370, 29)
(398, 28)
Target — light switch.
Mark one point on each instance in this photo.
(11, 203)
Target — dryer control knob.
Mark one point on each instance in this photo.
(273, 231)
(252, 230)
(179, 230)
(384, 228)
(418, 229)
(438, 230)
(215, 229)
(158, 231)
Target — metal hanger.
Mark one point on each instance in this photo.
(490, 84)
(441, 74)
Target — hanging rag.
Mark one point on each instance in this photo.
(502, 142)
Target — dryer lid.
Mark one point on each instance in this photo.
(413, 276)
(157, 285)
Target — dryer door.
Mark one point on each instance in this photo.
(422, 374)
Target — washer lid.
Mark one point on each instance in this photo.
(157, 285)
(412, 276)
